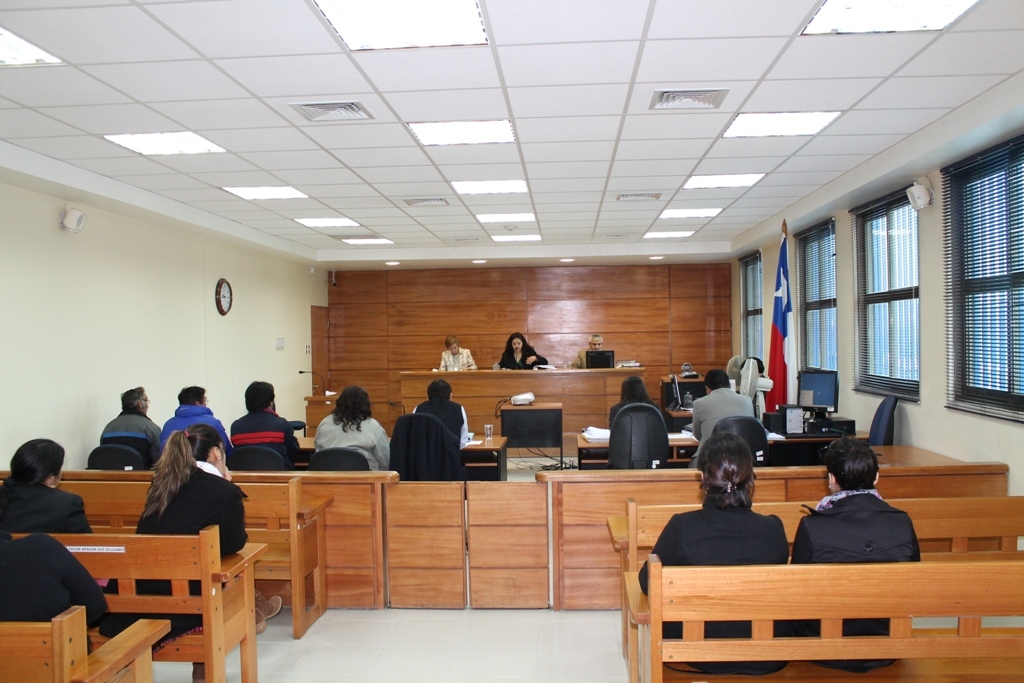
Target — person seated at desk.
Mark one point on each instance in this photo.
(133, 428)
(351, 425)
(193, 409)
(439, 403)
(633, 391)
(519, 355)
(261, 426)
(29, 498)
(596, 343)
(456, 358)
(721, 402)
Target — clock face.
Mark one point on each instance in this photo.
(222, 296)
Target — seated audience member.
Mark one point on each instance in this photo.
(133, 428)
(596, 344)
(191, 489)
(439, 403)
(519, 355)
(192, 409)
(720, 402)
(726, 532)
(261, 426)
(456, 358)
(853, 524)
(29, 498)
(633, 391)
(351, 425)
(40, 578)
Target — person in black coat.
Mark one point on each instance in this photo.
(30, 501)
(519, 355)
(726, 532)
(852, 525)
(632, 391)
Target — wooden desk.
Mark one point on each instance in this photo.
(317, 408)
(487, 460)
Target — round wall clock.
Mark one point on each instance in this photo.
(222, 295)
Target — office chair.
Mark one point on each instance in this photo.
(298, 426)
(256, 459)
(638, 438)
(751, 431)
(883, 423)
(423, 449)
(114, 456)
(339, 460)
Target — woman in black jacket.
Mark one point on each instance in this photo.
(30, 500)
(519, 355)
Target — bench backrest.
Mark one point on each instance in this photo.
(52, 651)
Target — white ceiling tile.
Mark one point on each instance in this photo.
(568, 207)
(809, 95)
(882, 121)
(168, 81)
(284, 229)
(725, 59)
(567, 184)
(377, 202)
(259, 139)
(205, 163)
(136, 165)
(780, 190)
(671, 127)
(400, 174)
(47, 86)
(373, 105)
(96, 35)
(231, 203)
(664, 184)
(106, 119)
(752, 212)
(361, 214)
(565, 21)
(317, 176)
(483, 172)
(24, 123)
(453, 223)
(730, 18)
(568, 129)
(799, 178)
(569, 169)
(757, 147)
(556, 197)
(717, 195)
(74, 147)
(643, 94)
(477, 203)
(624, 212)
(7, 104)
(567, 151)
(449, 105)
(171, 181)
(279, 161)
(387, 221)
(450, 68)
(848, 56)
(738, 165)
(402, 190)
(214, 114)
(383, 156)
(575, 225)
(193, 195)
(496, 153)
(40, 4)
(300, 76)
(660, 149)
(360, 135)
(339, 195)
(992, 52)
(238, 179)
(572, 100)
(248, 28)
(832, 162)
(281, 205)
(680, 168)
(850, 144)
(924, 91)
(578, 63)
(993, 15)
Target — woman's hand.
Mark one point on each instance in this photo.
(531, 360)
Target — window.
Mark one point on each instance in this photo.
(885, 238)
(984, 240)
(816, 261)
(750, 285)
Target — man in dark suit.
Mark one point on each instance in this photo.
(439, 403)
(721, 402)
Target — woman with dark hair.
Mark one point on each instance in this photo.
(632, 391)
(854, 524)
(351, 425)
(725, 532)
(30, 500)
(519, 355)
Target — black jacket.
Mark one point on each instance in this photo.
(508, 361)
(265, 428)
(446, 410)
(33, 508)
(422, 449)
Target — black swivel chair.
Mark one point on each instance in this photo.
(339, 460)
(256, 459)
(751, 431)
(638, 438)
(298, 426)
(423, 449)
(883, 423)
(113, 456)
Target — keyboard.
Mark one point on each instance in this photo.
(804, 435)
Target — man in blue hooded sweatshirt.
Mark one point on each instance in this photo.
(192, 410)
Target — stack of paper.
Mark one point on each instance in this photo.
(597, 434)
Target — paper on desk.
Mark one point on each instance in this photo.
(474, 443)
(545, 367)
(330, 393)
(597, 434)
(682, 435)
(774, 436)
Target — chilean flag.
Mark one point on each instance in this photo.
(782, 352)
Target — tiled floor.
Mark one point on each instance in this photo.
(435, 646)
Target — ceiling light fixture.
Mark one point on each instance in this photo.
(251, 193)
(480, 260)
(700, 182)
(668, 234)
(463, 132)
(566, 260)
(155, 144)
(387, 24)
(506, 218)
(656, 258)
(690, 213)
(367, 240)
(16, 52)
(489, 186)
(327, 222)
(885, 16)
(779, 124)
(516, 238)
(392, 263)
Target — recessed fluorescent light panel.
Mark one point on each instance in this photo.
(667, 235)
(769, 125)
(367, 240)
(701, 182)
(327, 222)
(480, 261)
(155, 144)
(284, 192)
(566, 260)
(505, 217)
(489, 186)
(386, 24)
(392, 263)
(516, 238)
(886, 16)
(16, 52)
(690, 213)
(463, 132)
(656, 258)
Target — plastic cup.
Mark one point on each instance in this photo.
(488, 432)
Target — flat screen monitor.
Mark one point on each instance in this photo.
(600, 359)
(677, 397)
(818, 390)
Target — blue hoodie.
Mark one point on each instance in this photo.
(188, 415)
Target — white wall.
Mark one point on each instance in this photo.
(126, 303)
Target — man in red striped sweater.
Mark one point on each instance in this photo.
(261, 426)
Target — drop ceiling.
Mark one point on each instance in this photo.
(575, 77)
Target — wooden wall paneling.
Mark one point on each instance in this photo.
(427, 286)
(701, 313)
(598, 282)
(648, 348)
(704, 350)
(374, 381)
(440, 318)
(365, 286)
(700, 279)
(358, 320)
(319, 348)
(416, 352)
(640, 315)
(358, 353)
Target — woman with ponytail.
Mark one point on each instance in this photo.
(725, 532)
(30, 500)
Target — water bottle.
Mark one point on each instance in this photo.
(687, 401)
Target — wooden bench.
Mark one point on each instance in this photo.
(898, 591)
(947, 528)
(275, 514)
(227, 601)
(55, 651)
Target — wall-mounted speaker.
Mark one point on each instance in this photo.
(919, 196)
(72, 220)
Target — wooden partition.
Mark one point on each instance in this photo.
(384, 323)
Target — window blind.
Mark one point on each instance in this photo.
(751, 288)
(816, 264)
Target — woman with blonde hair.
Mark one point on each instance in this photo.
(456, 358)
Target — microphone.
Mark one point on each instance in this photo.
(310, 372)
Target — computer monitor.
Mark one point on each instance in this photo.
(600, 359)
(677, 397)
(818, 390)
